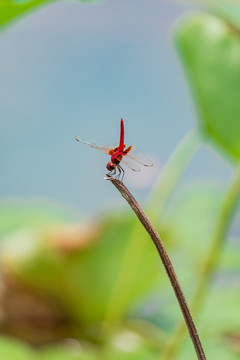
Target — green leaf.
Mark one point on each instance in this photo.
(210, 52)
(128, 345)
(229, 9)
(214, 347)
(69, 349)
(13, 9)
(224, 294)
(15, 350)
(16, 214)
(188, 224)
(226, 9)
(10, 9)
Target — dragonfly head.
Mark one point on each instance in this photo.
(110, 166)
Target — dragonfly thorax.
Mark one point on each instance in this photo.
(116, 158)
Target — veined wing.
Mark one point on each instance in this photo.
(136, 155)
(103, 148)
(131, 163)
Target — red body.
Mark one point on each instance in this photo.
(118, 152)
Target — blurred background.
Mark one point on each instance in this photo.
(79, 277)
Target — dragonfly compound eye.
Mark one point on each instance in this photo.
(110, 166)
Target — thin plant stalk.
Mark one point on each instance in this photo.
(212, 258)
(162, 191)
(166, 262)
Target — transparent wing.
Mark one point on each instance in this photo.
(103, 148)
(131, 163)
(136, 155)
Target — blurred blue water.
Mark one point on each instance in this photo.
(75, 69)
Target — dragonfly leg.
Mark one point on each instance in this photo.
(111, 173)
(121, 172)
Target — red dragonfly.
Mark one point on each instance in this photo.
(129, 156)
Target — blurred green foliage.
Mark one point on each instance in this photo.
(226, 9)
(210, 51)
(80, 275)
(18, 214)
(11, 10)
(13, 349)
(78, 280)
